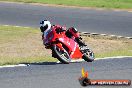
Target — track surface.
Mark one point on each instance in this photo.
(51, 75)
(109, 22)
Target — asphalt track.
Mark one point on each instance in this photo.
(93, 21)
(52, 75)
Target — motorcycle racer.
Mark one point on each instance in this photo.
(72, 32)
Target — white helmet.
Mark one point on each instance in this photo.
(45, 25)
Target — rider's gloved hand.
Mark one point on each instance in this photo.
(59, 30)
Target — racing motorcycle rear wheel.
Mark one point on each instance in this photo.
(61, 55)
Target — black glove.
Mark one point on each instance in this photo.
(59, 30)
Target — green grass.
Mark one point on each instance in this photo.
(12, 33)
(18, 60)
(84, 3)
(21, 45)
(109, 47)
(24, 45)
(124, 52)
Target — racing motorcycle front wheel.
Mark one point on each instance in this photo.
(61, 55)
(88, 56)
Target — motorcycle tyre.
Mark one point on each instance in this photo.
(59, 57)
(88, 58)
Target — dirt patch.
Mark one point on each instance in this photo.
(107, 45)
(25, 45)
(31, 46)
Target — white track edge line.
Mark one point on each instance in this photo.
(72, 61)
(11, 66)
(16, 26)
(82, 60)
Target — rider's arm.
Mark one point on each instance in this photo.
(60, 29)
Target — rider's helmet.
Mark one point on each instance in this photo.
(45, 25)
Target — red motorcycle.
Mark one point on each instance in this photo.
(64, 48)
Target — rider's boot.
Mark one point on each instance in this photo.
(80, 42)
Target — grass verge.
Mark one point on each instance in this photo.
(127, 4)
(24, 45)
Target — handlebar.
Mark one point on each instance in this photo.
(60, 30)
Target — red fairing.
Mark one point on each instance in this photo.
(76, 35)
(60, 39)
(73, 47)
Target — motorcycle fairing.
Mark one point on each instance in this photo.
(73, 47)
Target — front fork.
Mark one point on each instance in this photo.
(86, 50)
